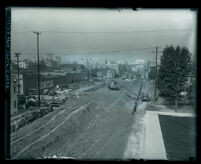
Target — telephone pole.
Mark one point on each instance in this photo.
(38, 33)
(18, 71)
(156, 72)
(156, 77)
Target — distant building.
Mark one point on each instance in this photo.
(113, 66)
(139, 62)
(105, 73)
(23, 64)
(110, 74)
(21, 87)
(101, 73)
(46, 84)
(49, 63)
(13, 95)
(58, 59)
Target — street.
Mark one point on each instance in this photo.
(94, 125)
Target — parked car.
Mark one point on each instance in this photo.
(31, 102)
(145, 98)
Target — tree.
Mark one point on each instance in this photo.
(173, 73)
(152, 73)
(32, 66)
(124, 68)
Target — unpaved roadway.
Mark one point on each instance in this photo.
(95, 125)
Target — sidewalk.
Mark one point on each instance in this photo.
(155, 145)
(149, 140)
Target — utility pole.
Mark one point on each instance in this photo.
(156, 53)
(38, 33)
(156, 73)
(177, 95)
(18, 71)
(137, 99)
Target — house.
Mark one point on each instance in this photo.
(13, 96)
(58, 59)
(101, 74)
(23, 64)
(49, 63)
(113, 66)
(21, 82)
(110, 74)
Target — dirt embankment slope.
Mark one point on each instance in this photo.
(95, 127)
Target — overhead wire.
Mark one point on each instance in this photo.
(107, 32)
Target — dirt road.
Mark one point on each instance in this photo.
(94, 126)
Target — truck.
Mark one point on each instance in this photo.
(113, 85)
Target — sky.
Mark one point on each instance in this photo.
(96, 33)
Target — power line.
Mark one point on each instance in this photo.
(115, 51)
(140, 31)
(108, 32)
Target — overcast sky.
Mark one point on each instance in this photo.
(95, 33)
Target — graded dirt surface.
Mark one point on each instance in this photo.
(95, 125)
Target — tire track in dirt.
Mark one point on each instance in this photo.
(49, 121)
(37, 123)
(101, 137)
(55, 128)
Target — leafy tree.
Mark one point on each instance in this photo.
(174, 70)
(82, 67)
(32, 66)
(124, 68)
(94, 72)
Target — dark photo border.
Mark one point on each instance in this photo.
(5, 49)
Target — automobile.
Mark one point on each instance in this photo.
(31, 102)
(146, 99)
(54, 104)
(113, 86)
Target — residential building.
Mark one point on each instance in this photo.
(23, 64)
(58, 59)
(21, 85)
(49, 63)
(113, 66)
(13, 96)
(110, 74)
(101, 73)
